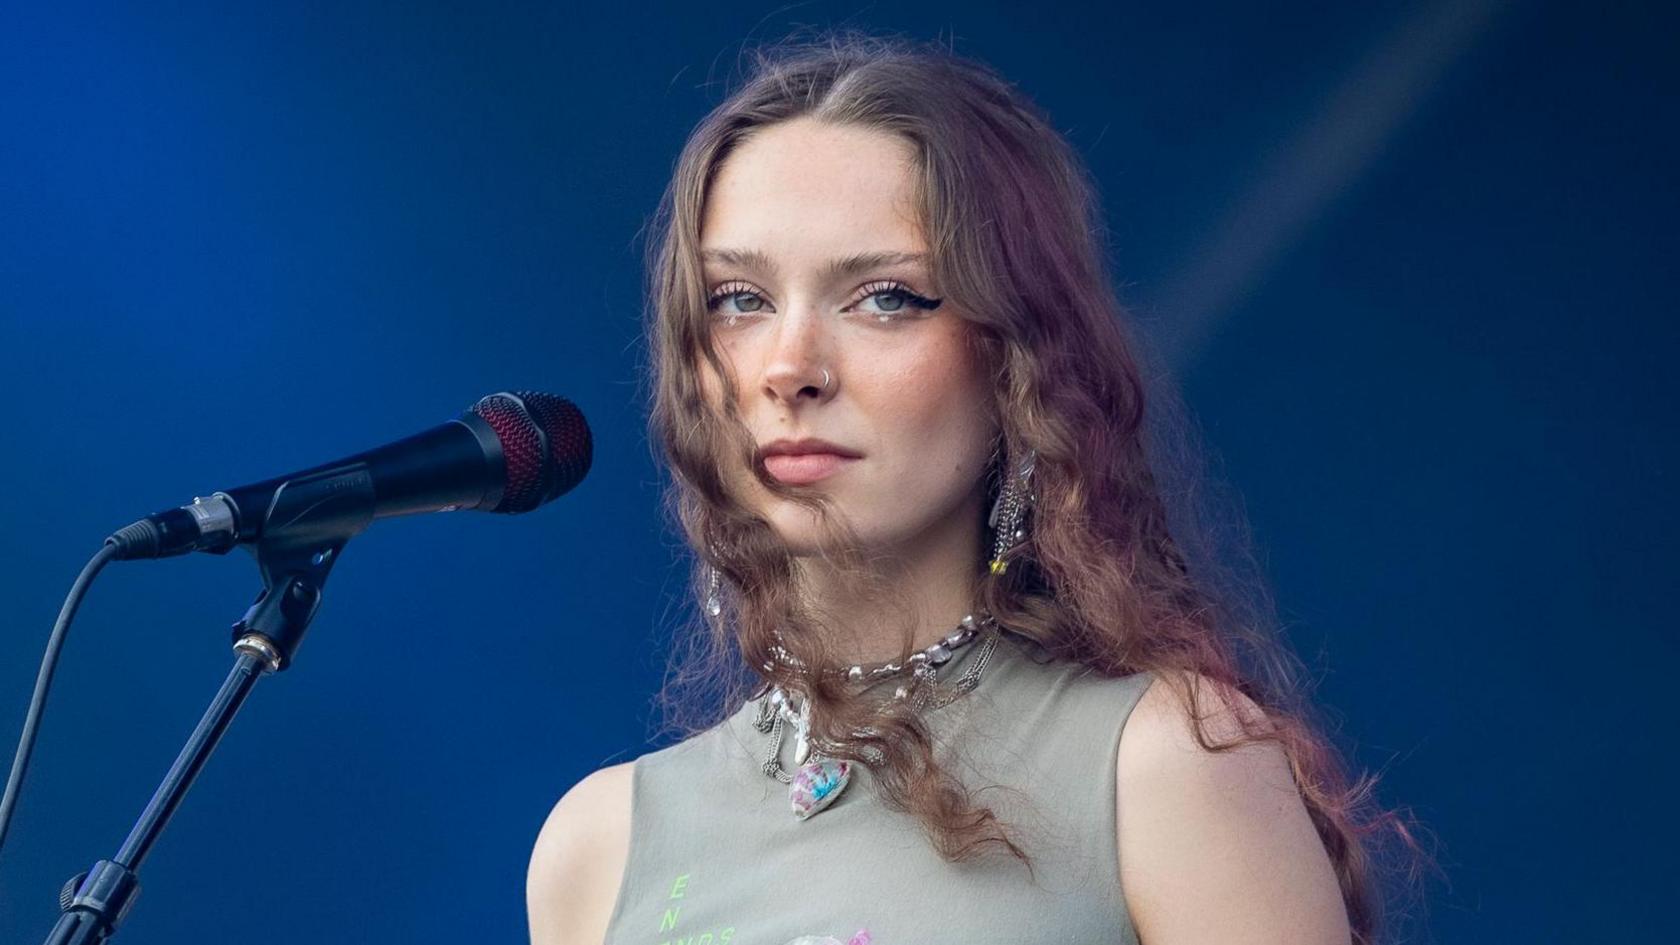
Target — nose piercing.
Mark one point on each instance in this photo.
(825, 380)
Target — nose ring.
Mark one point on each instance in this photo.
(825, 380)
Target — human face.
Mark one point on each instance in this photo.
(904, 393)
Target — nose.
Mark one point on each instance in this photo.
(797, 367)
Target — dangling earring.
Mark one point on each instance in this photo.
(714, 589)
(1009, 512)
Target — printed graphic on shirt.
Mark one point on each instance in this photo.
(670, 931)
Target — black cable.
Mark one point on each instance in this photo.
(43, 681)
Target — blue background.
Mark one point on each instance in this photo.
(1408, 260)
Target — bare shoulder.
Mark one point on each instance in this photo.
(1162, 719)
(1217, 846)
(578, 860)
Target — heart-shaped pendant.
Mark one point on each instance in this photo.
(816, 785)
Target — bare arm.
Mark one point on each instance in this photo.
(1217, 847)
(578, 861)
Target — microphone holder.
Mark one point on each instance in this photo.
(305, 528)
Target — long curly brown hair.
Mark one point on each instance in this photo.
(1124, 568)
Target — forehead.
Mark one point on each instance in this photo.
(804, 188)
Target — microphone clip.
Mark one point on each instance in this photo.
(304, 530)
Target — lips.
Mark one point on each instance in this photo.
(809, 444)
(801, 462)
(798, 469)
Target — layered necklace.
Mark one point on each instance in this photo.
(818, 781)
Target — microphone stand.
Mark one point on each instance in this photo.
(305, 528)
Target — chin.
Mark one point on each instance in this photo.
(799, 531)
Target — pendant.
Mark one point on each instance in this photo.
(802, 735)
(816, 785)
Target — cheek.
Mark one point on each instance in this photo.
(710, 388)
(710, 384)
(936, 399)
(734, 355)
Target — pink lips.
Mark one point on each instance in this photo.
(799, 469)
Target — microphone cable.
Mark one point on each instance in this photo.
(43, 681)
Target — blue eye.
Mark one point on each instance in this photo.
(752, 303)
(746, 300)
(896, 298)
(895, 301)
(731, 292)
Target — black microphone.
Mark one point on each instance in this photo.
(511, 452)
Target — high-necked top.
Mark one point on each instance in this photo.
(717, 857)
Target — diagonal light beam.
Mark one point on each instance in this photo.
(1319, 164)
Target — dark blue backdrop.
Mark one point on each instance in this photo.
(1409, 265)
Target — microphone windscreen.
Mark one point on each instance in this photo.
(546, 446)
(570, 446)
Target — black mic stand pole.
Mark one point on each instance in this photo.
(310, 520)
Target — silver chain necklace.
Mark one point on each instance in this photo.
(818, 781)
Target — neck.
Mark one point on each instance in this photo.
(927, 586)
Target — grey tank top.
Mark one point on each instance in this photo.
(717, 857)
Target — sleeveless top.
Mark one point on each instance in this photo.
(717, 857)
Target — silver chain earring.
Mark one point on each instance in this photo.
(1008, 518)
(714, 586)
(714, 591)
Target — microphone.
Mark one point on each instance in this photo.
(509, 453)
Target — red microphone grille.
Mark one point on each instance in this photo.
(545, 442)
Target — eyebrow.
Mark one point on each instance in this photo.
(837, 268)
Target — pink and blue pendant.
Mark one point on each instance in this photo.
(817, 784)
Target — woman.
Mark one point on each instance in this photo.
(908, 443)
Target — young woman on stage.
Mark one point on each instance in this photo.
(909, 443)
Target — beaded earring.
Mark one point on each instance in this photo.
(1009, 512)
